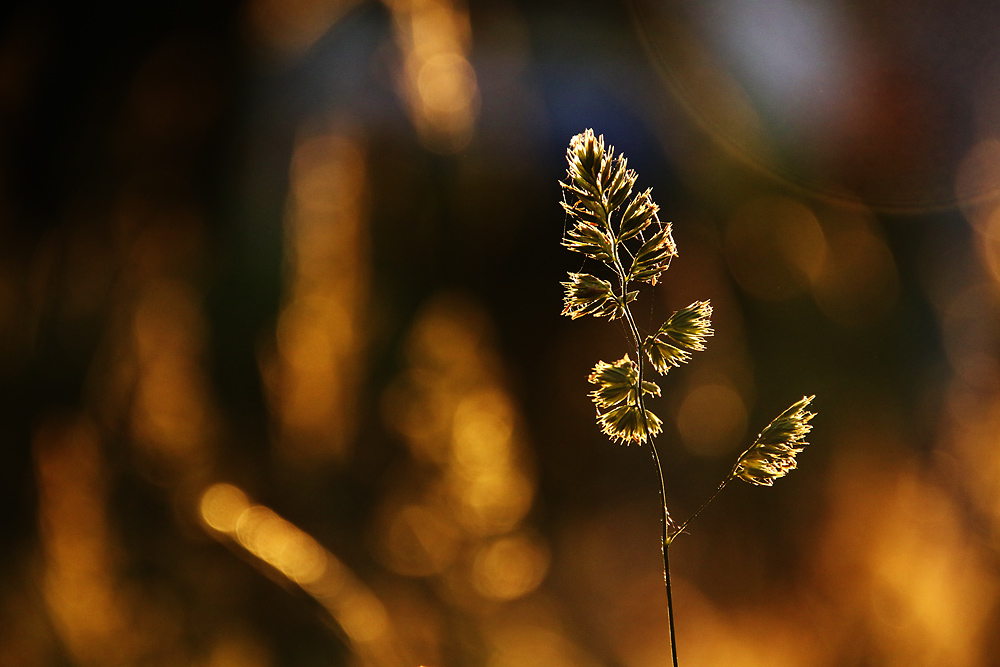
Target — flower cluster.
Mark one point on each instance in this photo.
(623, 232)
(617, 398)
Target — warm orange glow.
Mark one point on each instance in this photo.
(989, 244)
(964, 330)
(440, 83)
(264, 534)
(281, 545)
(298, 556)
(463, 526)
(79, 580)
(967, 315)
(531, 634)
(482, 428)
(908, 566)
(363, 617)
(712, 419)
(285, 376)
(222, 505)
(420, 541)
(974, 422)
(447, 85)
(313, 376)
(170, 416)
(748, 638)
(977, 184)
(239, 650)
(494, 502)
(509, 567)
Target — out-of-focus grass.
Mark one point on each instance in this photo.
(309, 250)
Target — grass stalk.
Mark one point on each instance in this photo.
(608, 223)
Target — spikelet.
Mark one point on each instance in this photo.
(617, 401)
(773, 453)
(590, 295)
(604, 218)
(684, 332)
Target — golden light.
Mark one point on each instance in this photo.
(239, 650)
(967, 335)
(509, 567)
(222, 505)
(420, 542)
(363, 617)
(482, 427)
(263, 533)
(531, 633)
(968, 315)
(896, 557)
(494, 502)
(423, 420)
(312, 374)
(758, 637)
(977, 183)
(712, 419)
(79, 582)
(932, 595)
(311, 330)
(989, 244)
(447, 85)
(280, 544)
(170, 415)
(459, 513)
(438, 82)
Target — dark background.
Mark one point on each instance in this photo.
(301, 259)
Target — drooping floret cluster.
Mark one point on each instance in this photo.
(616, 397)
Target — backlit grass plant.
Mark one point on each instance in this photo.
(621, 230)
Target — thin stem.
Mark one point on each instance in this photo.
(665, 514)
(670, 605)
(664, 544)
(705, 504)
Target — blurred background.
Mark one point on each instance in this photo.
(284, 380)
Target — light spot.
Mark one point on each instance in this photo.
(222, 505)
